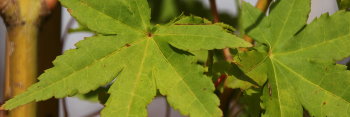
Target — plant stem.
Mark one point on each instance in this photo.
(210, 57)
(2, 112)
(23, 65)
(66, 29)
(64, 106)
(214, 11)
(224, 98)
(263, 5)
(236, 108)
(22, 18)
(168, 110)
(215, 14)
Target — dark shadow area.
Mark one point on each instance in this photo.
(231, 69)
(306, 113)
(257, 22)
(251, 104)
(49, 47)
(163, 11)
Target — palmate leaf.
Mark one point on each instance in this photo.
(302, 72)
(142, 58)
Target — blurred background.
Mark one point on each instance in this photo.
(79, 108)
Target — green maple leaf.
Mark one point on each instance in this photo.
(141, 57)
(301, 67)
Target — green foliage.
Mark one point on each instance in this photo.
(291, 68)
(302, 72)
(143, 58)
(165, 10)
(344, 4)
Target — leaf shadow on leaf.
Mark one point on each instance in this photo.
(223, 67)
(250, 102)
(261, 16)
(180, 51)
(306, 113)
(94, 96)
(100, 94)
(239, 74)
(258, 21)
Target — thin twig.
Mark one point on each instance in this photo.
(64, 106)
(214, 11)
(66, 29)
(225, 100)
(235, 114)
(216, 19)
(227, 54)
(228, 57)
(168, 110)
(210, 61)
(215, 14)
(235, 100)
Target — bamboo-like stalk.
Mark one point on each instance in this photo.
(23, 65)
(22, 18)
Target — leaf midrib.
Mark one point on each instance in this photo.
(34, 92)
(277, 87)
(142, 20)
(284, 25)
(312, 46)
(258, 64)
(169, 34)
(137, 81)
(178, 74)
(306, 80)
(259, 29)
(118, 21)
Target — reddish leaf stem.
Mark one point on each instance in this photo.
(168, 110)
(221, 79)
(64, 106)
(215, 14)
(214, 11)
